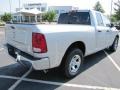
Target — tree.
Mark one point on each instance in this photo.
(98, 7)
(117, 10)
(44, 17)
(49, 16)
(6, 17)
(113, 18)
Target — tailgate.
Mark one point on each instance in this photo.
(20, 36)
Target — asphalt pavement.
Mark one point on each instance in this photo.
(101, 71)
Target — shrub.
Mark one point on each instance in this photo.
(6, 17)
(49, 16)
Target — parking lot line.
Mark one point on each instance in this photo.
(71, 85)
(20, 80)
(1, 49)
(114, 63)
(60, 84)
(9, 77)
(1, 32)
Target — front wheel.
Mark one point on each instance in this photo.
(114, 45)
(73, 63)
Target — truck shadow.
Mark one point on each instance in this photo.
(13, 70)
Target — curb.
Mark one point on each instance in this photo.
(2, 26)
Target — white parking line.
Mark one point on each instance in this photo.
(9, 77)
(60, 84)
(114, 63)
(20, 80)
(1, 32)
(1, 49)
(70, 85)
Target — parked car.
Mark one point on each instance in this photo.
(77, 34)
(117, 27)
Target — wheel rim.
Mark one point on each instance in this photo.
(116, 44)
(75, 64)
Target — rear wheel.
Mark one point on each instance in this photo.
(73, 63)
(114, 45)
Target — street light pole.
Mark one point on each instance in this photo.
(111, 7)
(20, 11)
(10, 10)
(10, 6)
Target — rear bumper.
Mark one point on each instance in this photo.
(37, 63)
(41, 64)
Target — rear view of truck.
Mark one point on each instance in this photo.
(19, 36)
(23, 44)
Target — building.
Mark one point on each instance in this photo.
(32, 12)
(39, 6)
(61, 9)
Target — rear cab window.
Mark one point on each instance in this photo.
(75, 18)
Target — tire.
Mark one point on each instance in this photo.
(73, 63)
(114, 46)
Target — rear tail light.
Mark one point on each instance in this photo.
(39, 43)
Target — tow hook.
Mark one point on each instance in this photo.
(18, 59)
(45, 71)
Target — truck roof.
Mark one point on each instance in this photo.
(86, 10)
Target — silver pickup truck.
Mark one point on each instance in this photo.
(77, 34)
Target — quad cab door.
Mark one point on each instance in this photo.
(109, 36)
(100, 32)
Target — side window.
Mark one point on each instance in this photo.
(99, 19)
(106, 21)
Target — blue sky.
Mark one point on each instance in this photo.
(82, 4)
